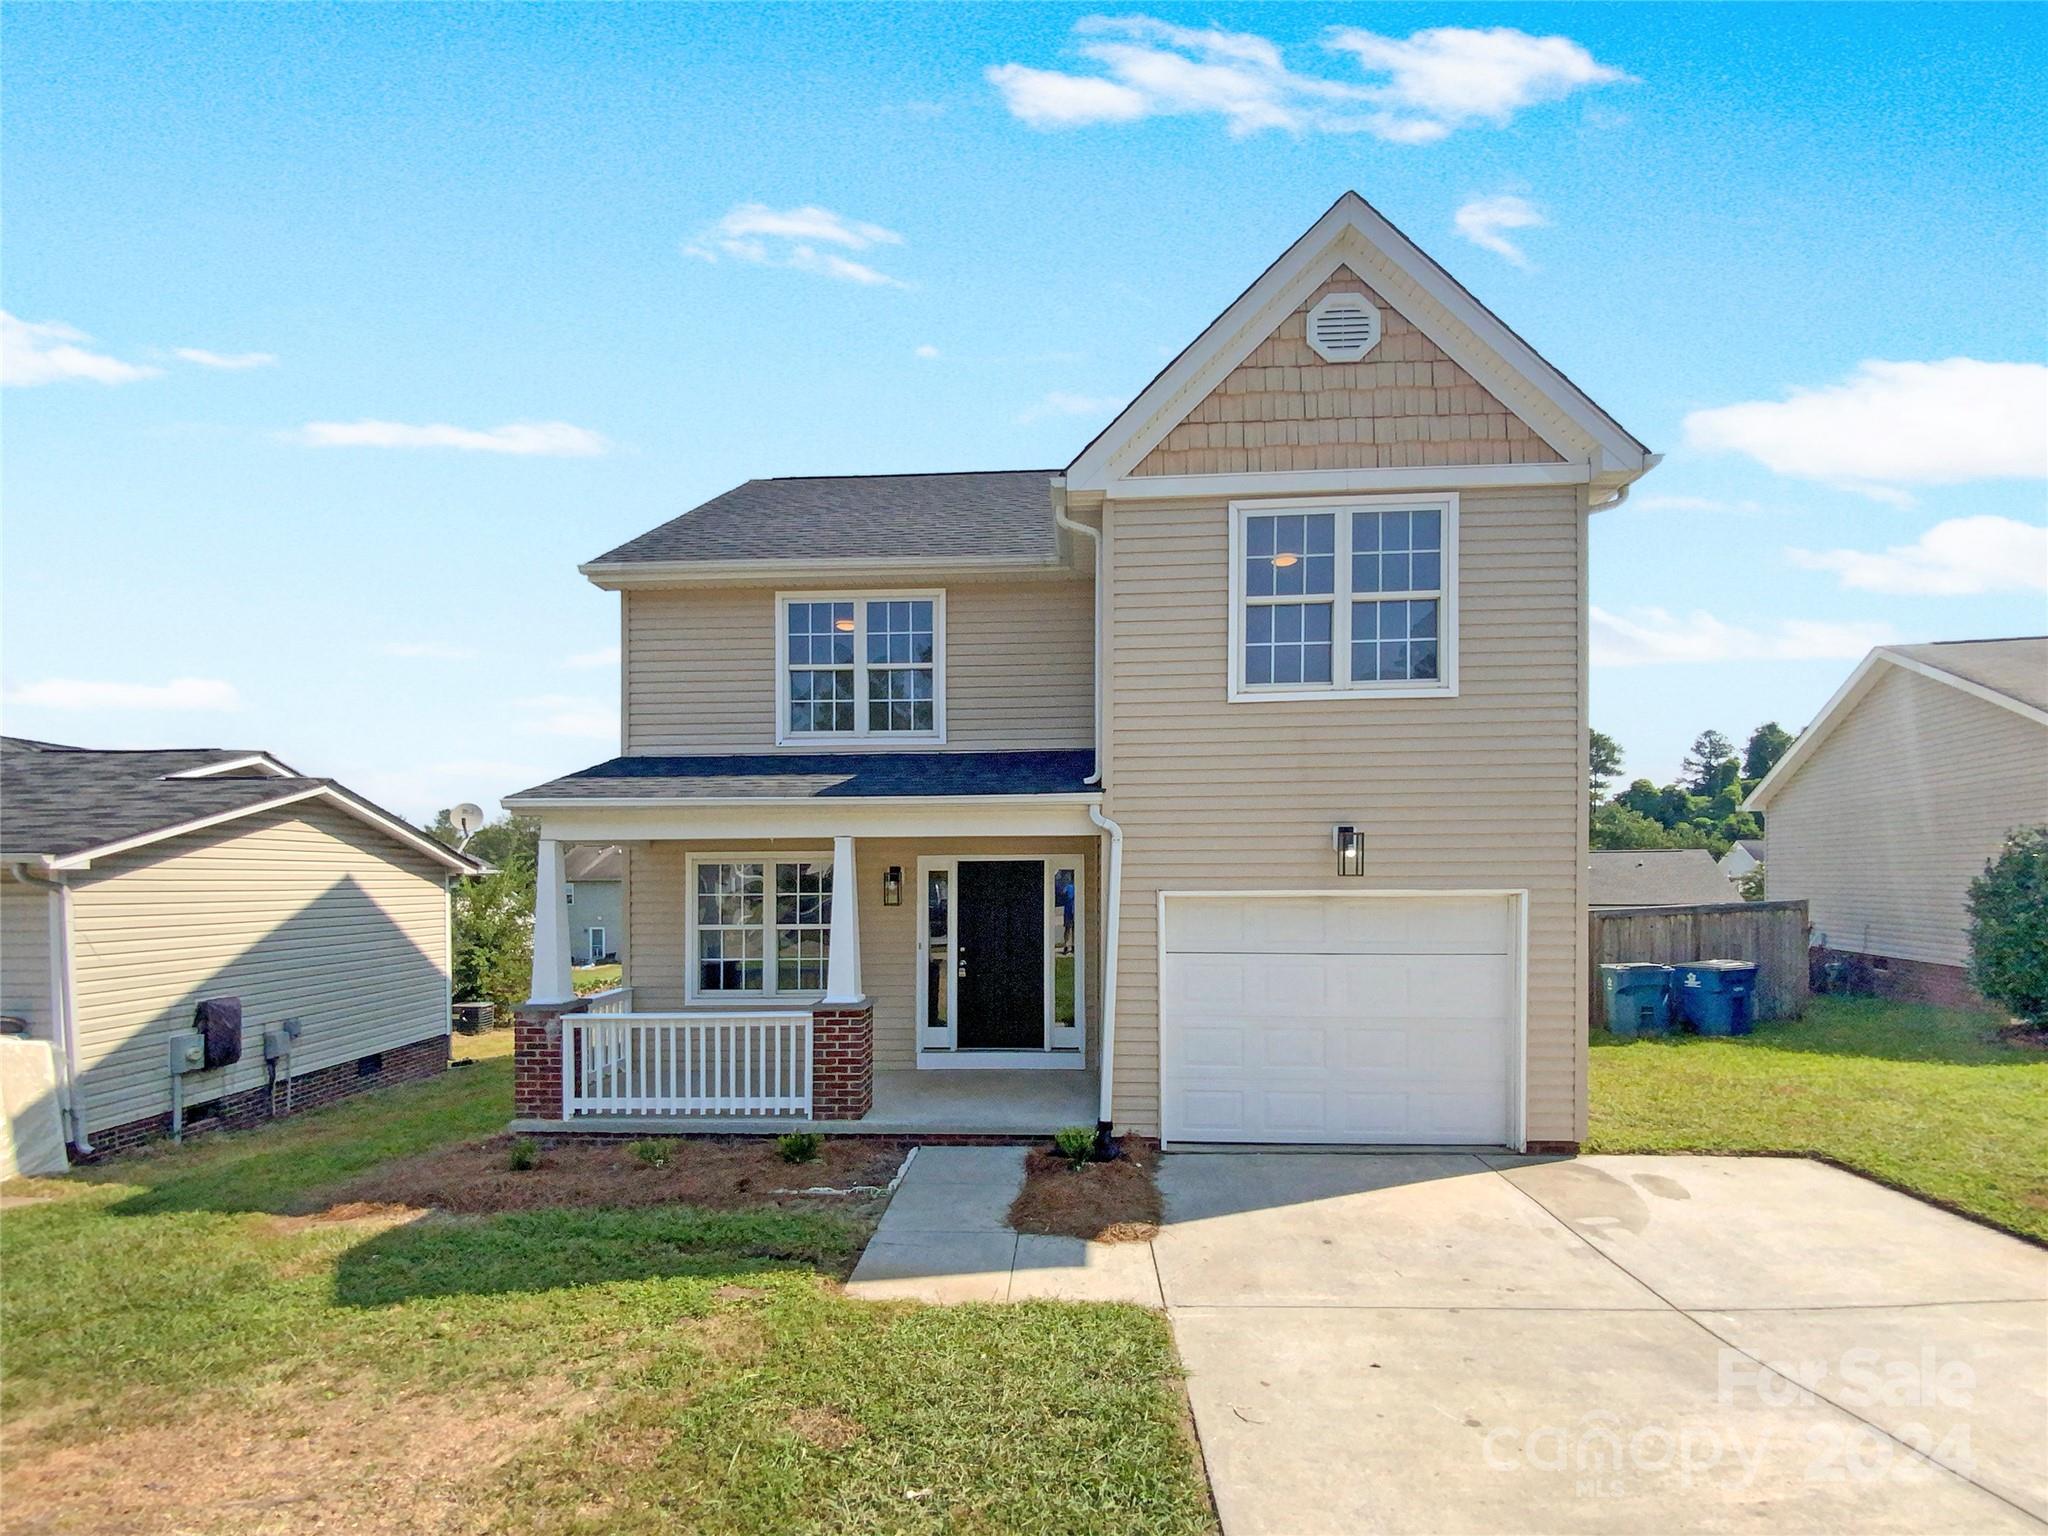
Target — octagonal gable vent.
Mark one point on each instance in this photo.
(1343, 327)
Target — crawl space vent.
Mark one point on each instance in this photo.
(1343, 327)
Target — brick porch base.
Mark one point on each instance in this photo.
(842, 1062)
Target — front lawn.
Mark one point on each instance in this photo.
(201, 1340)
(1928, 1099)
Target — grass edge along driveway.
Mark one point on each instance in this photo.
(1929, 1100)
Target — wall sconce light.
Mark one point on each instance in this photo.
(1350, 845)
(892, 886)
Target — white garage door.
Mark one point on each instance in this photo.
(1339, 1019)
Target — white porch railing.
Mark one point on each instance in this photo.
(686, 1064)
(611, 1000)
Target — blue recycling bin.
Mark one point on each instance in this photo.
(1716, 997)
(1637, 998)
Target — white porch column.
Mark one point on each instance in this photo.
(842, 967)
(551, 982)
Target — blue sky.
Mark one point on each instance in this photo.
(341, 334)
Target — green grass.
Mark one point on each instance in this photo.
(595, 978)
(696, 1352)
(1928, 1099)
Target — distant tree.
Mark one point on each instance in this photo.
(1751, 884)
(1702, 769)
(1616, 826)
(493, 914)
(2009, 927)
(1767, 743)
(1642, 797)
(1603, 762)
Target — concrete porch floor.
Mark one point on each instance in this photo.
(976, 1102)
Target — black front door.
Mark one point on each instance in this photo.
(999, 939)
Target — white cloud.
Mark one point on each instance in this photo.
(1435, 81)
(603, 656)
(1962, 557)
(428, 650)
(228, 360)
(1060, 402)
(928, 352)
(571, 714)
(48, 352)
(1652, 636)
(1485, 220)
(1891, 425)
(762, 236)
(181, 694)
(530, 439)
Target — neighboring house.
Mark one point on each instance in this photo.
(1743, 855)
(596, 903)
(139, 884)
(1658, 877)
(1894, 799)
(1226, 784)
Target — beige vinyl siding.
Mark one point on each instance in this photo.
(1485, 791)
(1406, 403)
(658, 893)
(25, 916)
(301, 912)
(1882, 829)
(700, 666)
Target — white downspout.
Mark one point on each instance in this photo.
(1094, 538)
(1113, 902)
(63, 1004)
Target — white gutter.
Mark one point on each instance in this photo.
(63, 1002)
(1094, 537)
(1113, 901)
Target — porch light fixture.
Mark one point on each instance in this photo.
(1350, 845)
(892, 886)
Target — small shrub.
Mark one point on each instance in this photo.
(524, 1156)
(2009, 927)
(1076, 1143)
(654, 1151)
(799, 1146)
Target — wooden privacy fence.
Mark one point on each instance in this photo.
(1770, 933)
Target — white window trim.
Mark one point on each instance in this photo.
(1238, 691)
(860, 735)
(767, 997)
(1064, 1046)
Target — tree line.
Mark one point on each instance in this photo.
(1702, 808)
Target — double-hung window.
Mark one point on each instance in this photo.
(855, 668)
(1349, 598)
(760, 927)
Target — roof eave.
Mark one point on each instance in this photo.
(616, 575)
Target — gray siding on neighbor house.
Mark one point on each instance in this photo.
(595, 904)
(699, 665)
(301, 911)
(1485, 791)
(1898, 808)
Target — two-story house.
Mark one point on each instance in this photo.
(1226, 784)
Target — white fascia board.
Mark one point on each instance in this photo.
(1299, 482)
(361, 810)
(263, 760)
(867, 816)
(618, 575)
(1354, 233)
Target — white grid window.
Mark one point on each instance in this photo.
(737, 923)
(1351, 597)
(858, 667)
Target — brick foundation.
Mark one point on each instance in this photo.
(309, 1090)
(1552, 1149)
(842, 1062)
(1905, 981)
(537, 1059)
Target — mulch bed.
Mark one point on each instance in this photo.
(1114, 1202)
(718, 1174)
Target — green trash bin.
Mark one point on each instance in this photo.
(1717, 997)
(1638, 999)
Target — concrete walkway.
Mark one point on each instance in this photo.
(946, 1237)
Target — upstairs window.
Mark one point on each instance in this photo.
(1343, 597)
(856, 668)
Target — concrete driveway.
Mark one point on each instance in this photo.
(1451, 1343)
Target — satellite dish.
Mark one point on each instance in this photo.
(467, 817)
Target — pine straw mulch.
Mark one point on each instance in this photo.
(1114, 1202)
(720, 1174)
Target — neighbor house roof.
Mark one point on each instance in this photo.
(1657, 877)
(985, 517)
(811, 776)
(64, 806)
(2011, 673)
(594, 864)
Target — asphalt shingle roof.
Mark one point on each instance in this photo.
(1658, 877)
(803, 776)
(998, 513)
(2017, 668)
